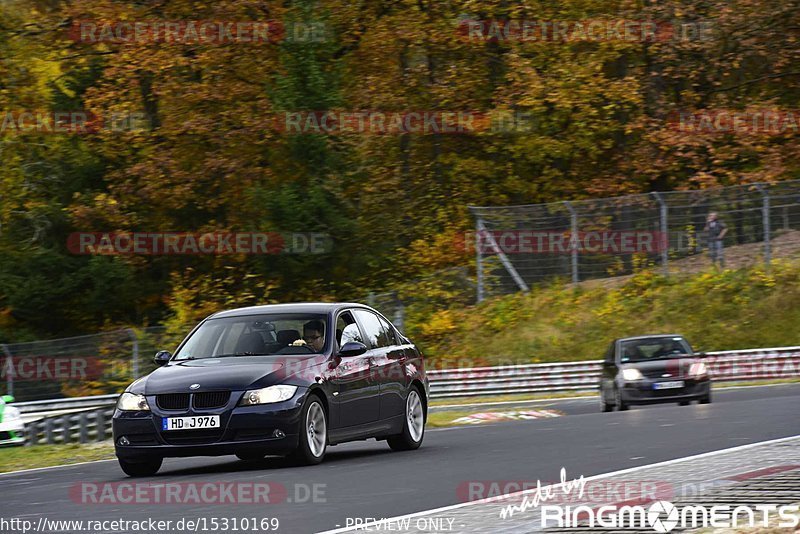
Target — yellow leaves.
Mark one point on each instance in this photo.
(440, 325)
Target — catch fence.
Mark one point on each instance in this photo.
(518, 246)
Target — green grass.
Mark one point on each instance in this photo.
(16, 458)
(733, 309)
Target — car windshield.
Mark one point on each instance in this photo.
(256, 335)
(656, 348)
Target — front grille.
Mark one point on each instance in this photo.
(675, 374)
(191, 437)
(211, 399)
(173, 401)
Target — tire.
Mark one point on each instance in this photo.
(250, 456)
(145, 468)
(619, 403)
(312, 434)
(684, 403)
(604, 406)
(706, 399)
(414, 417)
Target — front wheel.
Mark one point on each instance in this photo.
(604, 406)
(313, 435)
(141, 469)
(621, 405)
(413, 425)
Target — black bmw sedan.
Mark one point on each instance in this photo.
(652, 369)
(285, 379)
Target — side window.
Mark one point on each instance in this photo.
(388, 332)
(347, 329)
(372, 329)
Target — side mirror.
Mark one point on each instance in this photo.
(352, 348)
(162, 357)
(8, 399)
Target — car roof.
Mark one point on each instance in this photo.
(296, 307)
(650, 337)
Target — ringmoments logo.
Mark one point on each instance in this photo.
(664, 516)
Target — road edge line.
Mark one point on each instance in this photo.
(365, 526)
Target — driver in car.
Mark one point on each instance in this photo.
(314, 335)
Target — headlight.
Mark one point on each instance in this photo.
(131, 402)
(631, 374)
(268, 395)
(698, 369)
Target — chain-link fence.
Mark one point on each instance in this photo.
(517, 246)
(83, 365)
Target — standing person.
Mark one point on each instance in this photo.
(715, 231)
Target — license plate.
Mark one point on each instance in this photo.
(675, 384)
(190, 423)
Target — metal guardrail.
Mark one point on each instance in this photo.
(77, 427)
(94, 422)
(724, 366)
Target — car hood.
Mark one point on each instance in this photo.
(234, 374)
(675, 367)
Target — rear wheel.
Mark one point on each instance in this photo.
(621, 405)
(141, 469)
(706, 399)
(413, 425)
(313, 435)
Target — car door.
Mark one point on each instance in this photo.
(390, 363)
(354, 388)
(385, 357)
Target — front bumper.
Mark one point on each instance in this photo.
(242, 429)
(12, 433)
(643, 392)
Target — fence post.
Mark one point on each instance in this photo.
(100, 424)
(662, 208)
(66, 436)
(399, 315)
(135, 339)
(766, 219)
(83, 428)
(9, 369)
(573, 241)
(48, 430)
(479, 260)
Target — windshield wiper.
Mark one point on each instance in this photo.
(234, 354)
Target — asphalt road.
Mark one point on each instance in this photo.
(368, 480)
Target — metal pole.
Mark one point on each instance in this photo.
(573, 241)
(479, 260)
(9, 369)
(503, 258)
(135, 339)
(664, 231)
(765, 218)
(399, 315)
